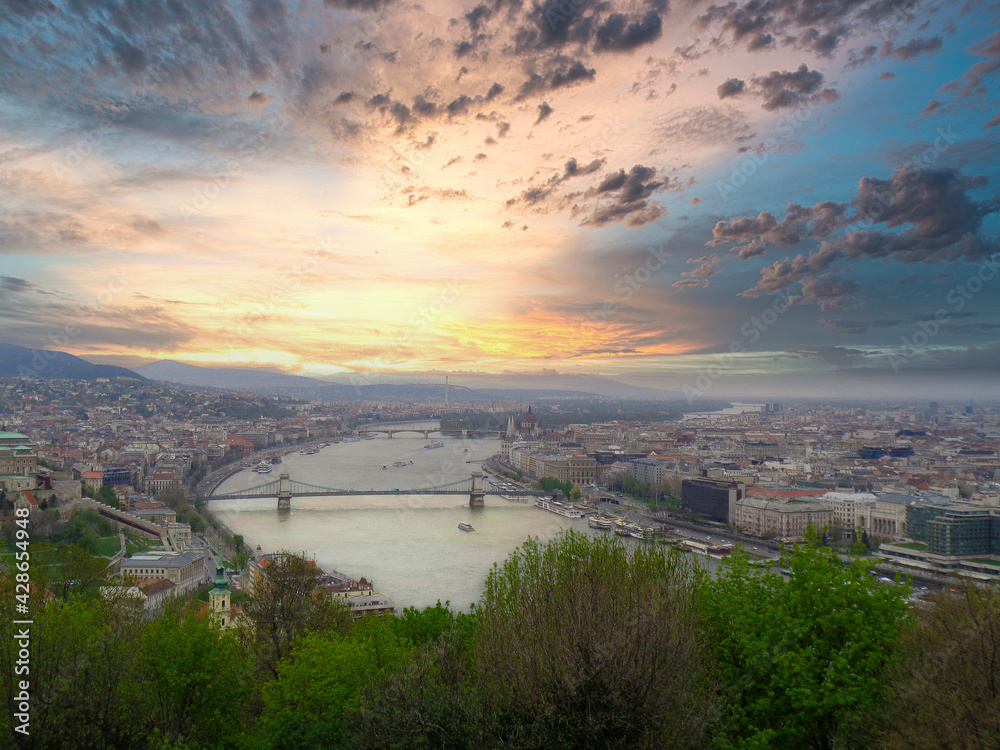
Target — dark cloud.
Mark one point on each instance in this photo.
(993, 122)
(813, 40)
(913, 48)
(988, 47)
(15, 285)
(828, 290)
(560, 74)
(818, 25)
(343, 97)
(553, 25)
(866, 55)
(364, 5)
(618, 34)
(425, 108)
(973, 80)
(932, 106)
(392, 109)
(624, 196)
(930, 212)
(731, 87)
(544, 110)
(539, 194)
(782, 89)
(258, 97)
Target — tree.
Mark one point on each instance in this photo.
(947, 689)
(315, 695)
(80, 574)
(197, 680)
(287, 603)
(581, 643)
(108, 496)
(87, 688)
(802, 661)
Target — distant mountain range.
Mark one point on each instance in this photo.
(19, 362)
(16, 361)
(400, 387)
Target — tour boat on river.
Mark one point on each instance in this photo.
(466, 527)
(600, 522)
(562, 509)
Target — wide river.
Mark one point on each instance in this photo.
(409, 546)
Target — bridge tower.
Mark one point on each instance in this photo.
(284, 492)
(476, 493)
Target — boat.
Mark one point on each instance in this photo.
(622, 528)
(263, 469)
(384, 467)
(275, 459)
(351, 439)
(600, 522)
(466, 527)
(434, 445)
(561, 509)
(302, 452)
(400, 463)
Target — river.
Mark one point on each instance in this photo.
(408, 546)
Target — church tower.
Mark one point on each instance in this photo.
(219, 600)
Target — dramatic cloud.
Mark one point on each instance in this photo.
(559, 74)
(731, 87)
(782, 89)
(623, 196)
(618, 34)
(940, 222)
(544, 110)
(913, 48)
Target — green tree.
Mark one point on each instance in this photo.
(802, 661)
(288, 602)
(581, 643)
(80, 573)
(108, 496)
(947, 688)
(197, 680)
(311, 703)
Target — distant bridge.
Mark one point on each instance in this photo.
(372, 429)
(284, 488)
(388, 429)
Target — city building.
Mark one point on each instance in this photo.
(220, 601)
(186, 570)
(712, 498)
(787, 521)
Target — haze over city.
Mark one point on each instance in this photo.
(724, 198)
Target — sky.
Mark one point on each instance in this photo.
(773, 197)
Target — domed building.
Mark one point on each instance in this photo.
(529, 424)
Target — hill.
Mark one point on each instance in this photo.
(19, 362)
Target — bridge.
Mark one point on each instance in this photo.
(390, 431)
(395, 428)
(285, 487)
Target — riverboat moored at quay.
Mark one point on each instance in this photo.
(561, 509)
